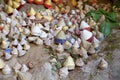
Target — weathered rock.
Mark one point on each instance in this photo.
(69, 62)
(103, 64)
(8, 77)
(63, 72)
(79, 62)
(24, 75)
(46, 73)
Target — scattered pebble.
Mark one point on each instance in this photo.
(79, 62)
(69, 63)
(7, 70)
(63, 72)
(30, 65)
(103, 64)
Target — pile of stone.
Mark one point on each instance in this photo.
(62, 29)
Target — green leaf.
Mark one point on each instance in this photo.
(117, 4)
(96, 14)
(112, 25)
(102, 11)
(89, 13)
(109, 23)
(111, 16)
(106, 27)
(58, 65)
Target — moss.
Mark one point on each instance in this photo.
(92, 76)
(112, 46)
(51, 52)
(113, 42)
(108, 57)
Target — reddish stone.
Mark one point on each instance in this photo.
(77, 32)
(91, 39)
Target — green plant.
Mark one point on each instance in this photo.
(117, 4)
(108, 24)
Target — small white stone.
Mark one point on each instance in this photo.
(61, 23)
(8, 56)
(32, 17)
(96, 43)
(5, 44)
(43, 35)
(23, 41)
(79, 62)
(86, 44)
(15, 12)
(17, 66)
(103, 64)
(15, 42)
(99, 35)
(23, 2)
(18, 17)
(14, 22)
(26, 46)
(23, 23)
(19, 47)
(66, 16)
(54, 22)
(8, 20)
(24, 15)
(36, 30)
(29, 22)
(53, 60)
(69, 23)
(67, 45)
(24, 68)
(69, 63)
(73, 12)
(63, 72)
(14, 51)
(43, 13)
(60, 48)
(3, 16)
(48, 42)
(26, 31)
(40, 25)
(38, 41)
(6, 70)
(47, 24)
(83, 53)
(21, 53)
(82, 15)
(50, 35)
(32, 39)
(79, 41)
(6, 29)
(76, 45)
(86, 35)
